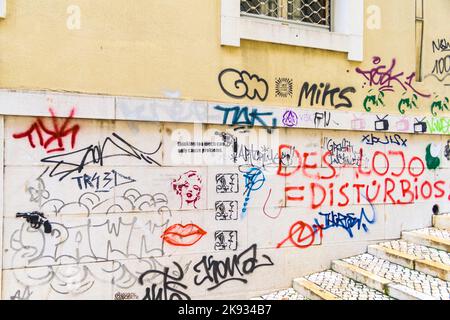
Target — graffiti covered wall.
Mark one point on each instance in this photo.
(200, 171)
(200, 211)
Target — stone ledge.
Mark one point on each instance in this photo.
(312, 291)
(360, 275)
(426, 240)
(394, 256)
(436, 269)
(37, 103)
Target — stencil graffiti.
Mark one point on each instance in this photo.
(200, 147)
(382, 124)
(447, 150)
(226, 210)
(225, 240)
(227, 183)
(420, 126)
(403, 125)
(373, 100)
(284, 87)
(358, 123)
(407, 103)
(439, 105)
(188, 187)
(36, 220)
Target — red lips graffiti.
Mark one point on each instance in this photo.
(184, 236)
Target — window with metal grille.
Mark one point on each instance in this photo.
(312, 12)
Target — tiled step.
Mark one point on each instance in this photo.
(430, 237)
(414, 256)
(395, 280)
(286, 294)
(311, 290)
(330, 285)
(442, 221)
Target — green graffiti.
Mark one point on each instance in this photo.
(408, 103)
(439, 105)
(439, 125)
(374, 100)
(432, 162)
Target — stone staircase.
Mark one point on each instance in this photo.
(416, 267)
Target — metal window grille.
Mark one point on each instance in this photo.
(312, 12)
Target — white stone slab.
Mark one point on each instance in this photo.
(79, 282)
(38, 104)
(162, 110)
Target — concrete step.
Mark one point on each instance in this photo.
(330, 285)
(394, 280)
(414, 256)
(442, 221)
(312, 291)
(430, 237)
(285, 294)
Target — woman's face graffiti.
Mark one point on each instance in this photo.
(188, 186)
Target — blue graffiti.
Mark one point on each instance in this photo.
(388, 139)
(243, 118)
(254, 180)
(346, 221)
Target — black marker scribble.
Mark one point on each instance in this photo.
(218, 272)
(168, 289)
(68, 163)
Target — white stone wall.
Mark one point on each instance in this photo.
(109, 209)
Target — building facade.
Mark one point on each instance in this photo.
(214, 149)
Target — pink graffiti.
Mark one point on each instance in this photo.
(385, 78)
(51, 138)
(188, 186)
